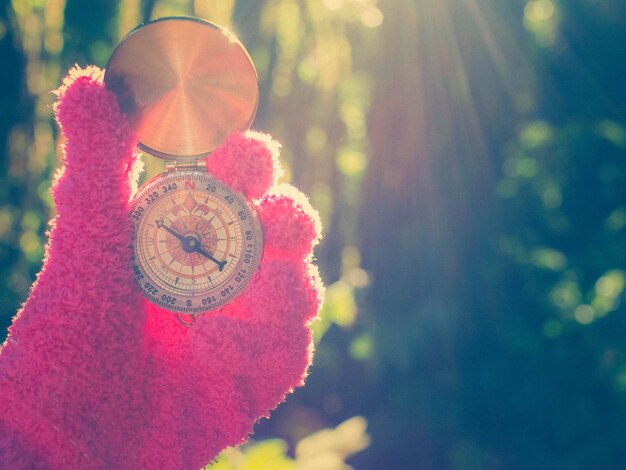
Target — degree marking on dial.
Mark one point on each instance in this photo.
(229, 243)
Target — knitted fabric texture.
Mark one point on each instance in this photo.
(91, 374)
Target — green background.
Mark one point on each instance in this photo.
(468, 161)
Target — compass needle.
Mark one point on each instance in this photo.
(204, 253)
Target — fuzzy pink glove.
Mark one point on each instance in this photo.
(92, 375)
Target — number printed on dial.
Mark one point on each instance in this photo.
(196, 244)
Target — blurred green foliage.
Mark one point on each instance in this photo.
(326, 449)
(468, 161)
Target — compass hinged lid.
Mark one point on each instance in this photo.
(185, 85)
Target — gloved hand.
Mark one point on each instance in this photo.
(92, 375)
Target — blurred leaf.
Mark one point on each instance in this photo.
(339, 308)
(264, 455)
(613, 132)
(362, 347)
(549, 258)
(324, 450)
(328, 449)
(535, 134)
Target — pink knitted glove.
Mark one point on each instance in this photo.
(92, 375)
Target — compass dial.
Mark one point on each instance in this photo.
(196, 244)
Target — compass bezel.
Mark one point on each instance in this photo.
(144, 212)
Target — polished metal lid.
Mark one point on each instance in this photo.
(185, 85)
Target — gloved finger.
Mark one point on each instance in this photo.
(262, 339)
(93, 188)
(86, 271)
(282, 294)
(247, 162)
(291, 227)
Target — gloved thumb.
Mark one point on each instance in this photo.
(93, 188)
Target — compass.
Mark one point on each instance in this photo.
(196, 243)
(186, 84)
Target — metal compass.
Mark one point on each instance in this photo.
(185, 85)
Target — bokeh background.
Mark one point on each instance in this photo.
(468, 158)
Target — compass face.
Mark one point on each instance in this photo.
(196, 244)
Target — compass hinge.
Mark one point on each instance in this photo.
(172, 165)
